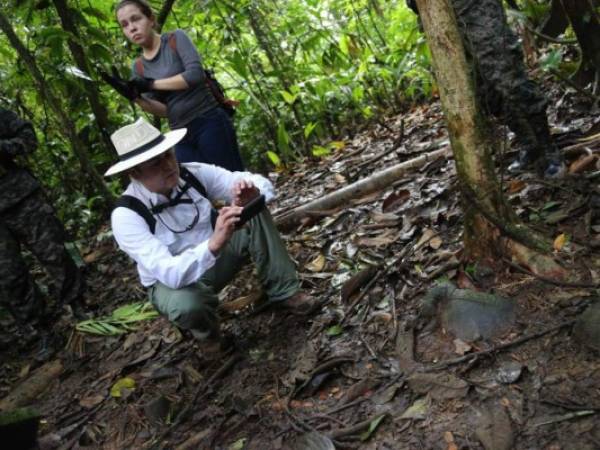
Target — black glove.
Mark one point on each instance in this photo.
(141, 84)
(126, 88)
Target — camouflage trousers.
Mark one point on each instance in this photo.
(502, 81)
(32, 223)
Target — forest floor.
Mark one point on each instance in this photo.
(359, 373)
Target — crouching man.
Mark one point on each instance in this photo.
(163, 221)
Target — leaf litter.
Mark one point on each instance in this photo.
(362, 372)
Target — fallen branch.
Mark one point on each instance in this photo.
(374, 183)
(568, 416)
(564, 284)
(335, 434)
(329, 364)
(550, 38)
(454, 361)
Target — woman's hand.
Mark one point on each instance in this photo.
(141, 84)
(224, 227)
(243, 191)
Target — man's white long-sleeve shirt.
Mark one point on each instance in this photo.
(177, 259)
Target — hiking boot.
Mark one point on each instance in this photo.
(549, 167)
(300, 304)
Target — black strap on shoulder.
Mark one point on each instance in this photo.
(128, 201)
(194, 182)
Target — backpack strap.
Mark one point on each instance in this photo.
(194, 182)
(172, 40)
(139, 66)
(135, 204)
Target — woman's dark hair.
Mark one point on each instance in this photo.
(143, 5)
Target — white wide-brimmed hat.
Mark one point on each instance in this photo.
(140, 142)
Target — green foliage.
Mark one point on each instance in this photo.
(122, 320)
(534, 10)
(305, 73)
(551, 60)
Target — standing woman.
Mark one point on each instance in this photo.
(170, 75)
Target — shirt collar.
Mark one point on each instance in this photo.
(153, 197)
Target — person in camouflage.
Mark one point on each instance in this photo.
(26, 218)
(503, 85)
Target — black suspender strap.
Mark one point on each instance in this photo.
(128, 201)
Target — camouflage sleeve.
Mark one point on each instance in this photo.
(17, 136)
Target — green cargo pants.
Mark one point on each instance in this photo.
(194, 307)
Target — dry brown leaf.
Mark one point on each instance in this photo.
(368, 198)
(461, 347)
(91, 400)
(387, 219)
(341, 179)
(357, 281)
(425, 237)
(448, 437)
(516, 186)
(463, 281)
(386, 238)
(584, 163)
(24, 371)
(559, 242)
(242, 302)
(435, 242)
(395, 200)
(317, 264)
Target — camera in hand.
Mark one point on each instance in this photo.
(251, 209)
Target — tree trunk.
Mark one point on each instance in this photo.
(164, 12)
(586, 26)
(65, 123)
(81, 61)
(488, 219)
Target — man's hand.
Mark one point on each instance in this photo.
(224, 228)
(243, 191)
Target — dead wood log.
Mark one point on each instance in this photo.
(30, 389)
(376, 182)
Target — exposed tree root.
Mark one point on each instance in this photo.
(538, 263)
